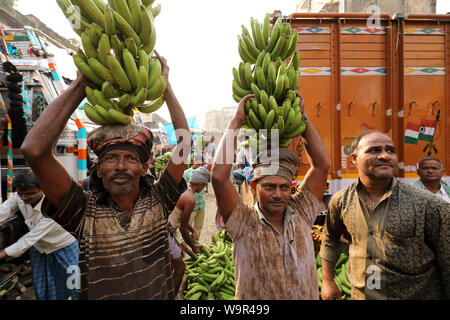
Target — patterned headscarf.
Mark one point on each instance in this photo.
(199, 176)
(286, 167)
(134, 138)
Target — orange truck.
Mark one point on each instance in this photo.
(393, 78)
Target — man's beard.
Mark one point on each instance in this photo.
(117, 190)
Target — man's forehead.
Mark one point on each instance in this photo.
(121, 152)
(430, 163)
(273, 180)
(376, 139)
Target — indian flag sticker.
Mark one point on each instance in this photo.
(426, 131)
(412, 133)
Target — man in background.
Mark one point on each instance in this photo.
(431, 171)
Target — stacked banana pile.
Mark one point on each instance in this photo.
(118, 39)
(266, 72)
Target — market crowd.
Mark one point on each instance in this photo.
(124, 231)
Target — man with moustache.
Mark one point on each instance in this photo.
(122, 221)
(273, 249)
(431, 171)
(399, 235)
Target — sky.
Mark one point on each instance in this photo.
(199, 40)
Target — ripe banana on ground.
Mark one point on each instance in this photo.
(118, 39)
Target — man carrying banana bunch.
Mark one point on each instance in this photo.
(273, 249)
(121, 223)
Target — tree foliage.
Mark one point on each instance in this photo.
(7, 4)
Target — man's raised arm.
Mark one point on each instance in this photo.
(38, 145)
(226, 195)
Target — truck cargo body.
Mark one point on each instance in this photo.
(394, 78)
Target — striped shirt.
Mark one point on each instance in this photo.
(122, 259)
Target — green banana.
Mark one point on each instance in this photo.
(131, 68)
(279, 86)
(239, 90)
(92, 115)
(286, 29)
(255, 120)
(246, 32)
(144, 60)
(117, 46)
(266, 28)
(109, 91)
(101, 5)
(265, 100)
(286, 107)
(110, 24)
(155, 71)
(92, 11)
(262, 113)
(124, 10)
(126, 28)
(237, 98)
(242, 77)
(295, 61)
(104, 48)
(104, 114)
(272, 73)
(100, 70)
(131, 46)
(101, 100)
(94, 32)
(281, 125)
(124, 101)
(147, 24)
(152, 107)
(260, 59)
(243, 51)
(68, 10)
(147, 2)
(90, 96)
(266, 63)
(298, 131)
(292, 46)
(273, 104)
(278, 48)
(135, 9)
(149, 47)
(274, 37)
(295, 82)
(119, 117)
(139, 98)
(285, 143)
(87, 71)
(112, 4)
(156, 10)
(157, 89)
(270, 86)
(119, 74)
(252, 49)
(248, 74)
(290, 121)
(88, 46)
(270, 119)
(260, 78)
(287, 84)
(260, 43)
(256, 91)
(254, 106)
(248, 106)
(143, 77)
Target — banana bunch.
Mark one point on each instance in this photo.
(210, 275)
(266, 72)
(118, 40)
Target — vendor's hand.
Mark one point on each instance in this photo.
(195, 236)
(3, 255)
(240, 112)
(197, 248)
(164, 66)
(302, 104)
(330, 291)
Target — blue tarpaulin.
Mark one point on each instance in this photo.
(170, 131)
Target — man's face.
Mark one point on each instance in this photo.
(30, 196)
(430, 171)
(120, 171)
(273, 194)
(198, 187)
(376, 157)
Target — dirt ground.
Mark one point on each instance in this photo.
(209, 224)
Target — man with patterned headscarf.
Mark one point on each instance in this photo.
(122, 221)
(273, 249)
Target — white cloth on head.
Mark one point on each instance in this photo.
(199, 176)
